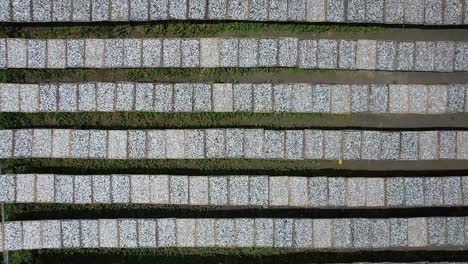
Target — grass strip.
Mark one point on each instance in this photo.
(230, 75)
(228, 256)
(151, 120)
(17, 212)
(184, 29)
(363, 168)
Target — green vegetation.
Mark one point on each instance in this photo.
(186, 29)
(151, 120)
(210, 75)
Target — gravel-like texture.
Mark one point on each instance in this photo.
(375, 11)
(6, 144)
(347, 54)
(238, 10)
(217, 9)
(274, 144)
(56, 53)
(97, 144)
(51, 234)
(433, 191)
(417, 98)
(308, 53)
(185, 232)
(414, 11)
(158, 9)
(175, 144)
(321, 98)
(453, 12)
(386, 55)
(455, 231)
(183, 94)
(218, 190)
(356, 11)
(258, 10)
(166, 230)
(128, 236)
(209, 52)
(248, 52)
(106, 96)
(64, 189)
(83, 189)
(341, 236)
(146, 233)
(398, 98)
(117, 141)
(301, 101)
(198, 190)
(144, 97)
(10, 98)
(433, 12)
(303, 233)
(156, 144)
(42, 146)
(44, 188)
(37, 54)
(89, 233)
(119, 10)
(394, 11)
(294, 144)
(380, 233)
(81, 10)
(351, 145)
(243, 97)
(101, 188)
(262, 98)
(337, 192)
(151, 53)
(462, 144)
(239, 190)
(75, 53)
(67, 94)
(313, 148)
(375, 192)
(332, 144)
(87, 97)
(444, 56)
(414, 191)
(13, 236)
(424, 56)
(108, 230)
(100, 10)
(229, 52)
(215, 143)
(327, 54)
(71, 234)
(139, 10)
(405, 56)
(456, 98)
(278, 10)
(340, 99)
(190, 53)
(371, 145)
(159, 189)
(356, 192)
(31, 235)
(437, 99)
(114, 53)
(288, 52)
(395, 191)
(25, 188)
(318, 191)
(178, 189)
(447, 144)
(378, 98)
(282, 97)
(297, 10)
(120, 189)
(205, 232)
(8, 191)
(258, 190)
(279, 194)
(16, 53)
(222, 97)
(195, 144)
(361, 232)
(61, 139)
(283, 236)
(268, 52)
(41, 10)
(171, 53)
(224, 232)
(22, 143)
(263, 232)
(245, 232)
(298, 191)
(336, 10)
(234, 143)
(366, 54)
(163, 98)
(140, 188)
(132, 53)
(452, 191)
(322, 233)
(29, 98)
(316, 10)
(428, 145)
(21, 10)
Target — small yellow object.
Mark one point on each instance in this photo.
(340, 162)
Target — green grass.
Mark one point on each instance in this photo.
(208, 75)
(181, 29)
(151, 120)
(226, 255)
